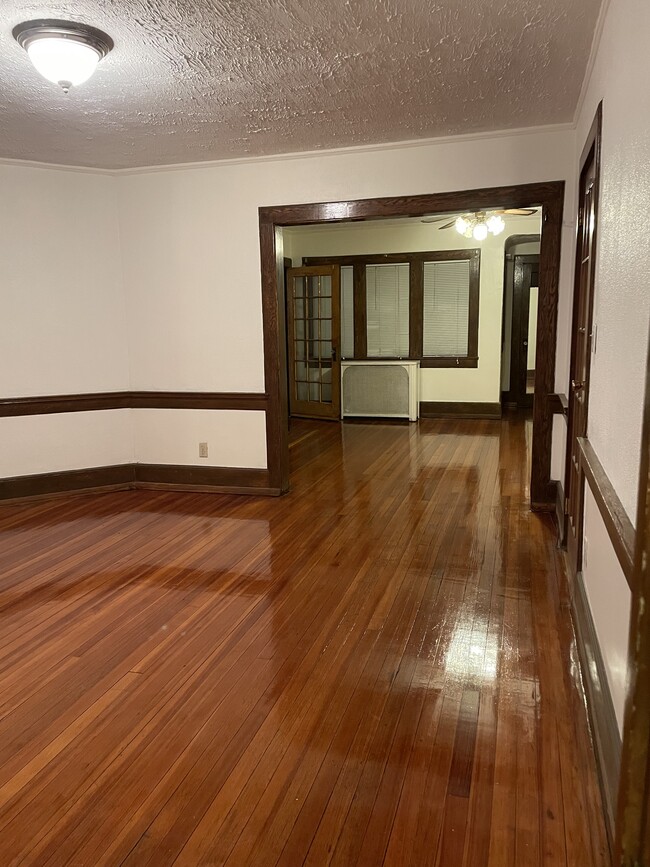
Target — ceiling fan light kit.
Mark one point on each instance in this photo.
(64, 52)
(478, 225)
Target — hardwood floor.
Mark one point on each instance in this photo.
(378, 668)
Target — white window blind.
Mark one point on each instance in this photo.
(387, 304)
(446, 308)
(347, 311)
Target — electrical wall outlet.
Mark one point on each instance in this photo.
(203, 450)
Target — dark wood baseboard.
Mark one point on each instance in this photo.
(453, 409)
(120, 477)
(606, 735)
(230, 480)
(619, 527)
(47, 404)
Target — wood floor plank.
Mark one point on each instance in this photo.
(377, 668)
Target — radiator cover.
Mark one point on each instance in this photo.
(380, 389)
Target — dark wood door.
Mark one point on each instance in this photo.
(314, 325)
(524, 331)
(581, 345)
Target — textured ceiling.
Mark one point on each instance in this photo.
(192, 80)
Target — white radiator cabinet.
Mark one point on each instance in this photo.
(380, 389)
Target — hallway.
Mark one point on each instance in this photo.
(378, 668)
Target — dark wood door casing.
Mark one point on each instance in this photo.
(547, 195)
(526, 275)
(581, 340)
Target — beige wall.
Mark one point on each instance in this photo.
(62, 319)
(481, 384)
(170, 260)
(621, 306)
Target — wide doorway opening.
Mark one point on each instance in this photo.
(393, 308)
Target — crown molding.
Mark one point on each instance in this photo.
(59, 167)
(303, 155)
(595, 47)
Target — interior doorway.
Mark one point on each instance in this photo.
(548, 196)
(523, 332)
(582, 341)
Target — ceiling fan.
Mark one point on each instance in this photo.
(477, 224)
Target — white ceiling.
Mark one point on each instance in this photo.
(192, 80)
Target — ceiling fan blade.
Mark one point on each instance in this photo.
(448, 225)
(434, 219)
(518, 212)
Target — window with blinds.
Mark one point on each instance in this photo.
(347, 311)
(445, 323)
(387, 310)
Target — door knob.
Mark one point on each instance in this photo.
(577, 386)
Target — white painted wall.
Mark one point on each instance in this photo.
(622, 299)
(65, 441)
(62, 321)
(61, 329)
(167, 436)
(190, 243)
(187, 242)
(621, 305)
(480, 384)
(609, 599)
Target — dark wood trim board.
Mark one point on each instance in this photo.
(451, 409)
(46, 404)
(548, 195)
(120, 477)
(619, 526)
(558, 404)
(239, 480)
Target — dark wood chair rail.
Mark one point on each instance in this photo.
(619, 527)
(46, 404)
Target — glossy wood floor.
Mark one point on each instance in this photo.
(376, 669)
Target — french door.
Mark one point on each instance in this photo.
(313, 326)
(581, 345)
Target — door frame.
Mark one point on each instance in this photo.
(593, 144)
(512, 398)
(547, 195)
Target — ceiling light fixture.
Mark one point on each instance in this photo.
(479, 224)
(63, 52)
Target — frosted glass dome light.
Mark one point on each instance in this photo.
(496, 224)
(64, 53)
(480, 231)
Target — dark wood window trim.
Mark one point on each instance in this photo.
(549, 195)
(415, 261)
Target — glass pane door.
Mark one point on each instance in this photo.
(313, 331)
